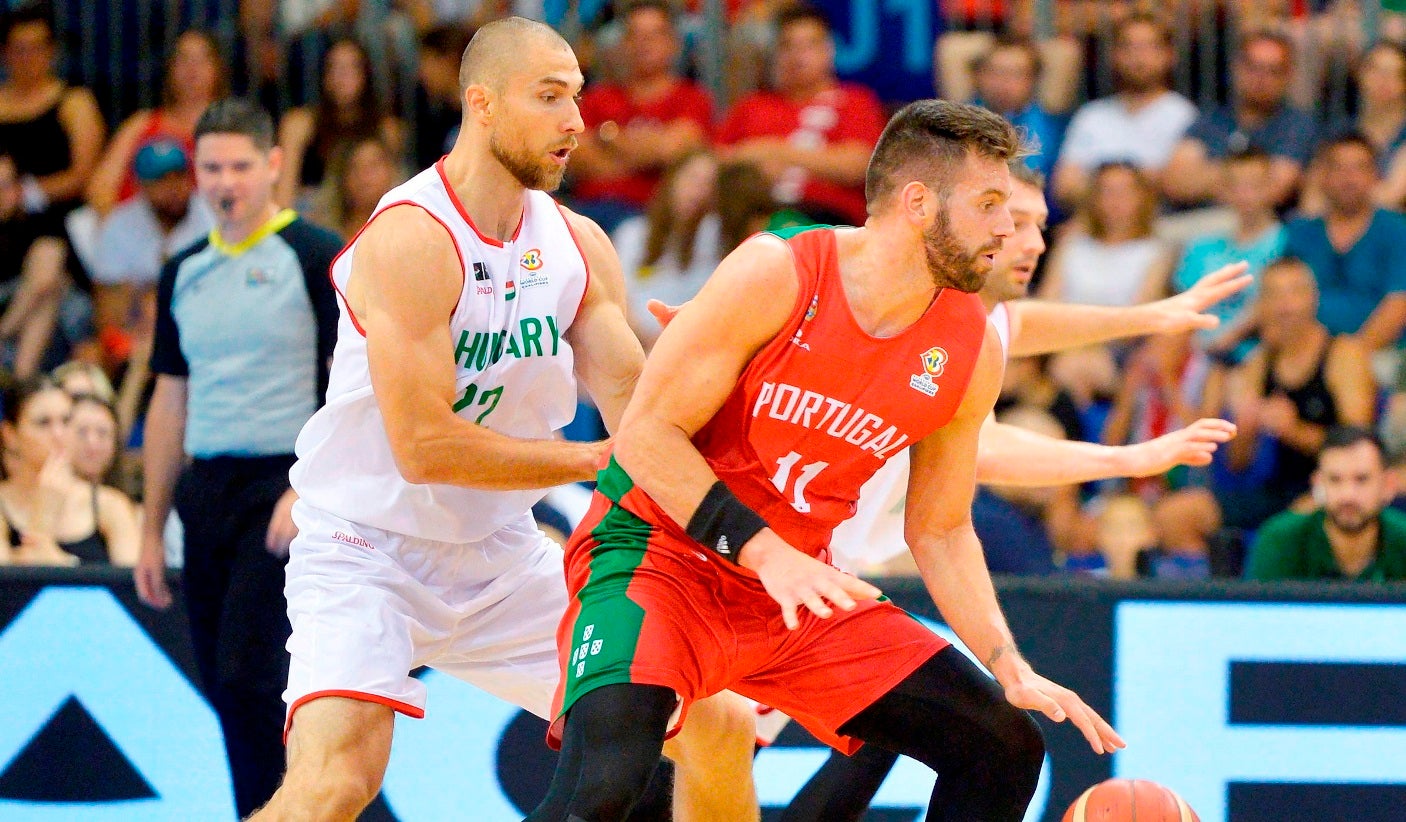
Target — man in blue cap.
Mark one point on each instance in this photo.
(137, 238)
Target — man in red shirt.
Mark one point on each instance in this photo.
(701, 565)
(634, 129)
(810, 134)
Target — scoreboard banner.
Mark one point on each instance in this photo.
(1253, 702)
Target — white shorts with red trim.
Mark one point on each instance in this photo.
(369, 606)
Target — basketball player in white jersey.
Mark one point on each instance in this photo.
(471, 303)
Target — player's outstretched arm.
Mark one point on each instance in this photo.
(1011, 455)
(1043, 327)
(406, 279)
(939, 531)
(689, 374)
(608, 354)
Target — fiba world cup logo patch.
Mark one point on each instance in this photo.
(533, 275)
(934, 360)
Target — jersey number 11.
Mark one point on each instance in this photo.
(807, 473)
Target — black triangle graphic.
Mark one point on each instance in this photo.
(72, 759)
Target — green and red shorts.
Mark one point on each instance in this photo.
(650, 606)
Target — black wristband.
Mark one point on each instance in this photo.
(723, 523)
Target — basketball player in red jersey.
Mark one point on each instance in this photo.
(802, 365)
(843, 787)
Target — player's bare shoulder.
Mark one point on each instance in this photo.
(758, 281)
(607, 278)
(400, 245)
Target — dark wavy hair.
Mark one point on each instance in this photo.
(927, 140)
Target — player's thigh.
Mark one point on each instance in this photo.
(342, 738)
(720, 725)
(950, 715)
(522, 670)
(647, 611)
(834, 668)
(713, 752)
(359, 621)
(509, 648)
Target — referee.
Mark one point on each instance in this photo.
(246, 322)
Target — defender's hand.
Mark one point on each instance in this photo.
(663, 312)
(1193, 445)
(1186, 311)
(281, 529)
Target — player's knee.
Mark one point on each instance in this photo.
(1020, 744)
(339, 791)
(333, 781)
(608, 794)
(355, 788)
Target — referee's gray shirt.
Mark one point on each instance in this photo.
(251, 326)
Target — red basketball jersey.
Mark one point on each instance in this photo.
(824, 404)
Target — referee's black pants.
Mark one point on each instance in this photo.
(238, 615)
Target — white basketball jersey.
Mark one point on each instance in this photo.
(874, 535)
(513, 372)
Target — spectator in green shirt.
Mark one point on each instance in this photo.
(1353, 535)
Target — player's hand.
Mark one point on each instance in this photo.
(794, 579)
(1033, 692)
(663, 312)
(1186, 311)
(594, 457)
(1192, 445)
(150, 574)
(281, 528)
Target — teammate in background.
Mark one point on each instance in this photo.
(747, 442)
(1008, 455)
(416, 544)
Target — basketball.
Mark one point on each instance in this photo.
(1123, 800)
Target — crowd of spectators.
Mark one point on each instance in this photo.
(1149, 192)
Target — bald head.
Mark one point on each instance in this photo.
(498, 49)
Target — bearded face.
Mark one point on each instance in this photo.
(532, 167)
(953, 264)
(1350, 517)
(1353, 485)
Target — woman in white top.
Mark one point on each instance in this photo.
(671, 250)
(1109, 256)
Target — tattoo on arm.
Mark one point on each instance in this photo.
(1008, 648)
